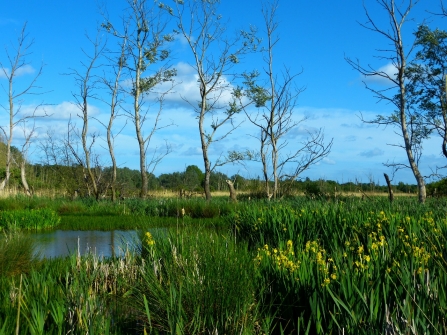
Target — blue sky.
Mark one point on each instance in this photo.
(315, 36)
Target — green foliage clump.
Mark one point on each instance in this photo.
(437, 189)
(196, 282)
(29, 219)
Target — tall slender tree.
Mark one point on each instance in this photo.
(214, 55)
(145, 61)
(276, 100)
(17, 65)
(86, 82)
(403, 117)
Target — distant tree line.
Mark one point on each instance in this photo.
(71, 181)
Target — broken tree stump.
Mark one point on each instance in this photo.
(232, 190)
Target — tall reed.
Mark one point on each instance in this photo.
(197, 282)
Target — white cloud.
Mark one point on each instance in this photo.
(22, 71)
(386, 70)
(192, 151)
(186, 93)
(329, 161)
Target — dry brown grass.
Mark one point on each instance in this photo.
(52, 193)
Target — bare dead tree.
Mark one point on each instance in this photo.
(16, 66)
(275, 118)
(233, 195)
(146, 35)
(68, 168)
(114, 100)
(411, 129)
(214, 56)
(390, 189)
(86, 81)
(28, 136)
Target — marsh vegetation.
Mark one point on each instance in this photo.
(305, 266)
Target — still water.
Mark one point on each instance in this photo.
(60, 243)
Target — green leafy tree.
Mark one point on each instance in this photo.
(145, 31)
(193, 178)
(427, 76)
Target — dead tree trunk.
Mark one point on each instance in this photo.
(232, 190)
(390, 190)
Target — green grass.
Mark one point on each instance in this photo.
(28, 219)
(289, 267)
(169, 207)
(196, 282)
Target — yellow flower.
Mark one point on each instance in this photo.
(334, 276)
(326, 282)
(360, 249)
(367, 258)
(149, 239)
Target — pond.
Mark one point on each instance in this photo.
(61, 243)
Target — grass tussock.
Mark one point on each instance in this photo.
(16, 253)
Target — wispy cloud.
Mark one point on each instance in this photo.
(192, 151)
(62, 111)
(6, 21)
(301, 131)
(372, 153)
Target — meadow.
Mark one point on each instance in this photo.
(295, 266)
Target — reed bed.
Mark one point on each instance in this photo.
(351, 267)
(28, 219)
(301, 266)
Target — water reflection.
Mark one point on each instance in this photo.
(60, 243)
